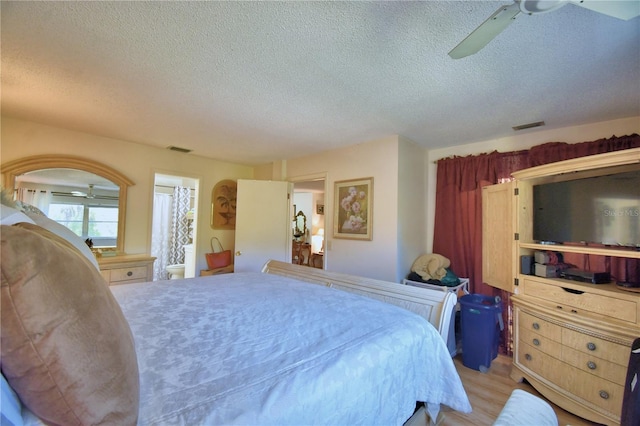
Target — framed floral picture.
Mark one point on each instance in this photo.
(353, 209)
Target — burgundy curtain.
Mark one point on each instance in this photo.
(458, 218)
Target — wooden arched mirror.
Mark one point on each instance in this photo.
(12, 170)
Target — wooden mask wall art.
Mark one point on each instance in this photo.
(223, 205)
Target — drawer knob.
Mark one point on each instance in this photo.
(604, 394)
(129, 273)
(536, 342)
(536, 326)
(591, 346)
(591, 365)
(527, 357)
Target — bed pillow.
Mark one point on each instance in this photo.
(67, 349)
(10, 215)
(66, 233)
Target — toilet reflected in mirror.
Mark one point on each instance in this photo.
(176, 272)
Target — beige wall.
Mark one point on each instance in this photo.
(524, 140)
(412, 200)
(380, 258)
(404, 184)
(139, 163)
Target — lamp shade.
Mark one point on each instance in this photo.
(317, 241)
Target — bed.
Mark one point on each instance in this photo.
(278, 347)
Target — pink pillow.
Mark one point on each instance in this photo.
(67, 349)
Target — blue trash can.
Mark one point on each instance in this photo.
(480, 323)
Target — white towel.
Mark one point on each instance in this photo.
(523, 408)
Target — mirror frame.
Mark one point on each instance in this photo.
(299, 231)
(14, 168)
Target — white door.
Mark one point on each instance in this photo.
(263, 223)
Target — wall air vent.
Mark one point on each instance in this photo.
(177, 148)
(528, 126)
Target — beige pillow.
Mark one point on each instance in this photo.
(67, 349)
(66, 233)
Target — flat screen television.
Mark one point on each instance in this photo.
(602, 210)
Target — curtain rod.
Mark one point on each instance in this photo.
(42, 191)
(443, 158)
(168, 186)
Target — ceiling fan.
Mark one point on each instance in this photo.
(489, 29)
(88, 194)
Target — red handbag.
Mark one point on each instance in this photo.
(218, 259)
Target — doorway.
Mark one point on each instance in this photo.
(173, 228)
(309, 198)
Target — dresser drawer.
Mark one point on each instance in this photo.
(583, 302)
(594, 365)
(538, 362)
(595, 346)
(539, 326)
(127, 274)
(594, 390)
(540, 342)
(599, 392)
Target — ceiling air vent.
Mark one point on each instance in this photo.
(528, 126)
(177, 148)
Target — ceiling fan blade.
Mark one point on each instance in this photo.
(486, 32)
(625, 9)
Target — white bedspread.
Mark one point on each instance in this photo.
(250, 348)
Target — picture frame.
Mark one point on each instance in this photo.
(353, 209)
(319, 208)
(223, 205)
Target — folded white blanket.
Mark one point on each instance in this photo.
(523, 408)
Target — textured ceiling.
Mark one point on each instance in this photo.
(253, 82)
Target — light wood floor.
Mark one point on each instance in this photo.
(488, 392)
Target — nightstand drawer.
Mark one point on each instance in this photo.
(126, 274)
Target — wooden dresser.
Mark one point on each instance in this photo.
(127, 269)
(571, 340)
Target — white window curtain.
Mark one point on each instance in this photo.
(160, 231)
(39, 198)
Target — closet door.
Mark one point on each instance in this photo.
(263, 223)
(498, 236)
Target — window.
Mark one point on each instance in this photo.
(69, 215)
(100, 223)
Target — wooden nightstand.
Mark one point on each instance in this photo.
(225, 270)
